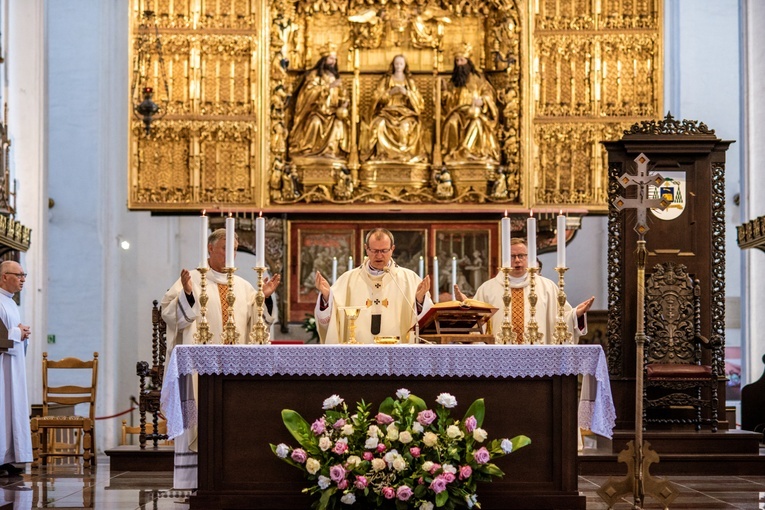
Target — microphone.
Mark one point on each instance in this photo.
(417, 338)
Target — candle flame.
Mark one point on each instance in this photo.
(531, 213)
(561, 212)
(505, 213)
(203, 212)
(260, 214)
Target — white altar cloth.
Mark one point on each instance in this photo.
(509, 361)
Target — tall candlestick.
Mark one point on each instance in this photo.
(203, 227)
(350, 262)
(561, 240)
(454, 276)
(506, 259)
(531, 242)
(334, 270)
(260, 241)
(230, 236)
(422, 267)
(435, 280)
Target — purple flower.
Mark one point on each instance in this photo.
(404, 493)
(482, 455)
(299, 455)
(319, 426)
(361, 482)
(342, 484)
(339, 424)
(340, 447)
(465, 472)
(435, 468)
(337, 473)
(426, 417)
(389, 492)
(438, 485)
(383, 419)
(449, 477)
(471, 423)
(414, 451)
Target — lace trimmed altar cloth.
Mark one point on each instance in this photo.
(597, 415)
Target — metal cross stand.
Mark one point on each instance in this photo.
(638, 455)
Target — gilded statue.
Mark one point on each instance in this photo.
(470, 114)
(320, 123)
(394, 129)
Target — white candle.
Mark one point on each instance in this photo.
(230, 236)
(334, 270)
(506, 259)
(350, 262)
(435, 280)
(454, 275)
(561, 240)
(203, 227)
(260, 241)
(422, 267)
(531, 242)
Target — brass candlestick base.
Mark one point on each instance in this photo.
(203, 335)
(506, 335)
(532, 335)
(561, 335)
(230, 335)
(352, 312)
(259, 333)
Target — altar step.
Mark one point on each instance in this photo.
(133, 458)
(730, 452)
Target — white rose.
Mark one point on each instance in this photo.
(325, 443)
(405, 437)
(453, 431)
(371, 443)
(282, 450)
(402, 393)
(417, 428)
(446, 400)
(332, 401)
(323, 482)
(430, 439)
(373, 431)
(392, 432)
(448, 468)
(353, 460)
(506, 445)
(471, 500)
(426, 505)
(347, 429)
(312, 466)
(427, 466)
(480, 435)
(378, 464)
(348, 498)
(399, 464)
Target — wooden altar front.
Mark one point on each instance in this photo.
(239, 415)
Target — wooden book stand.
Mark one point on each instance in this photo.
(457, 322)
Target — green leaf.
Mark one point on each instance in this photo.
(387, 406)
(477, 409)
(325, 497)
(492, 469)
(418, 403)
(442, 498)
(297, 426)
(520, 442)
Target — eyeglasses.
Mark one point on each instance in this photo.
(384, 251)
(19, 275)
(519, 256)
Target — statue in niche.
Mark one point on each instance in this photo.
(499, 189)
(320, 123)
(444, 187)
(394, 130)
(470, 114)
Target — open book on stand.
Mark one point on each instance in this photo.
(452, 322)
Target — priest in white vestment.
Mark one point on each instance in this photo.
(15, 434)
(181, 313)
(391, 298)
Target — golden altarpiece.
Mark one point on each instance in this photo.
(558, 77)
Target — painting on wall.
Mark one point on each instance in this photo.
(411, 247)
(463, 258)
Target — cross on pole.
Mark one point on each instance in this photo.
(638, 455)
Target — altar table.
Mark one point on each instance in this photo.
(530, 390)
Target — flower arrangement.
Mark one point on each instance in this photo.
(407, 456)
(309, 325)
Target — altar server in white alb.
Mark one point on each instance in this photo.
(391, 298)
(181, 312)
(15, 435)
(546, 312)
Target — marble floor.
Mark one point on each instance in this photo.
(72, 486)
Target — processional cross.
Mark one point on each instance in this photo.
(638, 455)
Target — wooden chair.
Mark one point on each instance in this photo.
(68, 394)
(679, 381)
(149, 430)
(150, 380)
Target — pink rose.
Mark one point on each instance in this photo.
(336, 473)
(340, 447)
(383, 419)
(380, 447)
(438, 485)
(389, 493)
(319, 426)
(361, 482)
(339, 424)
(342, 484)
(426, 417)
(420, 481)
(368, 456)
(449, 477)
(299, 455)
(471, 423)
(465, 472)
(482, 456)
(414, 451)
(435, 468)
(404, 493)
